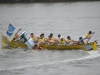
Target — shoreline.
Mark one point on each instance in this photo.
(36, 1)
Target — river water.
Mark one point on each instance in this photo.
(74, 19)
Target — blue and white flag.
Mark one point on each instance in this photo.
(10, 32)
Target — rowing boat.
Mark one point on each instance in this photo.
(26, 42)
(17, 44)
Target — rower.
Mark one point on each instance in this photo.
(17, 38)
(55, 40)
(58, 40)
(41, 40)
(70, 41)
(62, 41)
(50, 41)
(51, 35)
(87, 35)
(81, 41)
(34, 38)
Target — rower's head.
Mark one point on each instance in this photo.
(90, 32)
(59, 35)
(32, 34)
(80, 38)
(51, 34)
(49, 37)
(61, 38)
(68, 37)
(42, 34)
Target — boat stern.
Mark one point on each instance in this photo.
(95, 46)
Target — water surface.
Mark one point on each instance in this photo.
(74, 19)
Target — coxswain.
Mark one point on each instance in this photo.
(17, 38)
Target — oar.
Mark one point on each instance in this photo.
(48, 45)
(16, 33)
(90, 37)
(57, 48)
(98, 46)
(18, 30)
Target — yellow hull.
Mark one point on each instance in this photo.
(12, 44)
(89, 46)
(16, 44)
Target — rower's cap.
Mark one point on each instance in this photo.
(61, 37)
(32, 33)
(51, 33)
(42, 34)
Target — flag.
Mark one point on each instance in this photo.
(10, 32)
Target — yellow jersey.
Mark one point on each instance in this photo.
(34, 38)
(62, 41)
(51, 40)
(86, 35)
(41, 40)
(70, 41)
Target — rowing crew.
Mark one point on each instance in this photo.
(60, 41)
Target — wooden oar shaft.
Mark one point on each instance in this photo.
(89, 38)
(56, 48)
(98, 46)
(18, 31)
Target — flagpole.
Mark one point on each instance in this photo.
(8, 21)
(17, 29)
